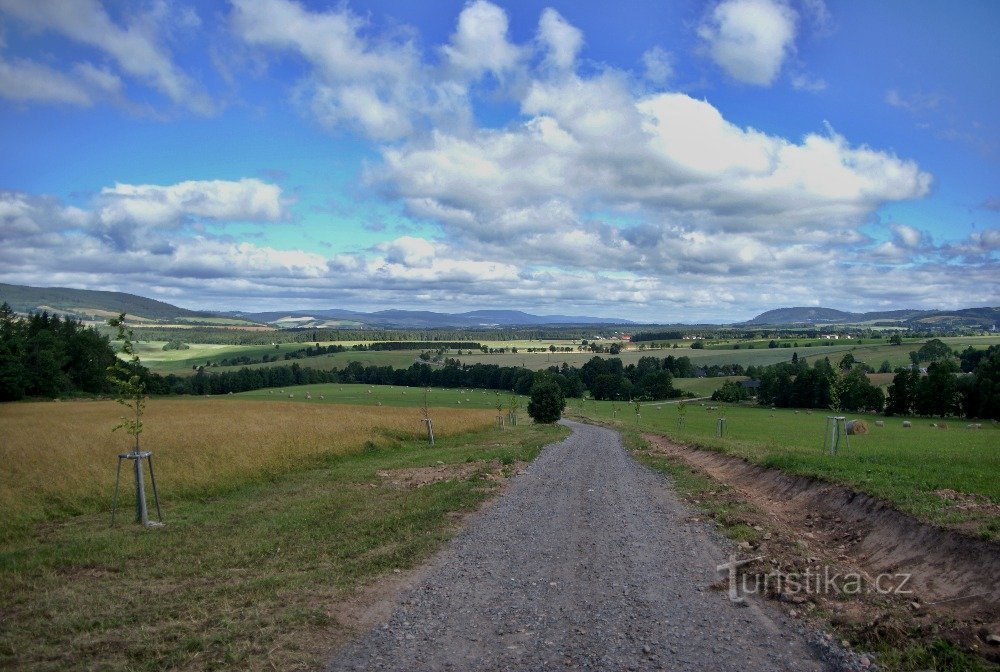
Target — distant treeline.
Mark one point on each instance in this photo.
(651, 378)
(45, 356)
(964, 385)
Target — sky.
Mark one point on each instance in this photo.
(657, 161)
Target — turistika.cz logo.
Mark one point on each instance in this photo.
(813, 581)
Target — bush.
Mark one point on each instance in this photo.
(547, 401)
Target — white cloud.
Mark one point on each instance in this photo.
(907, 237)
(590, 144)
(379, 86)
(801, 82)
(134, 47)
(23, 80)
(409, 251)
(562, 40)
(480, 43)
(153, 205)
(658, 64)
(750, 39)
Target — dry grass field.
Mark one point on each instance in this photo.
(59, 459)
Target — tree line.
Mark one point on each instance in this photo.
(46, 356)
(967, 384)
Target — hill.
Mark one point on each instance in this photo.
(90, 304)
(982, 318)
(420, 319)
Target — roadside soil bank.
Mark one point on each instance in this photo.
(798, 523)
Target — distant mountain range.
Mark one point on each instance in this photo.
(98, 306)
(810, 315)
(88, 304)
(416, 319)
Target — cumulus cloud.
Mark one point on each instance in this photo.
(154, 205)
(675, 157)
(409, 251)
(135, 49)
(378, 86)
(750, 39)
(562, 40)
(480, 42)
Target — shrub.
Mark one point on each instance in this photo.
(547, 401)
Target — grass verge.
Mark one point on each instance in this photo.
(251, 577)
(899, 640)
(942, 475)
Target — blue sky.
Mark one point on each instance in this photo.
(679, 161)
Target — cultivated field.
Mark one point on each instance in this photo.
(277, 515)
(387, 395)
(944, 475)
(59, 459)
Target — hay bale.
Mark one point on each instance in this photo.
(857, 427)
(880, 423)
(907, 424)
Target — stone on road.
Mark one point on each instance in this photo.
(588, 561)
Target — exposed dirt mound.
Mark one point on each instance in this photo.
(951, 572)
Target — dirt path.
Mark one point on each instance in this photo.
(587, 562)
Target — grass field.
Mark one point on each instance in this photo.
(913, 468)
(703, 387)
(255, 566)
(182, 362)
(58, 459)
(386, 395)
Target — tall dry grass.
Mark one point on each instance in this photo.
(59, 459)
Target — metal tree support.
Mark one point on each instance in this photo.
(430, 430)
(141, 513)
(831, 434)
(720, 427)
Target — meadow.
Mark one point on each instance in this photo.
(915, 468)
(59, 457)
(278, 515)
(184, 362)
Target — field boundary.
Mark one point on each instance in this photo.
(949, 569)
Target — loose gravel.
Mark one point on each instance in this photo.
(588, 561)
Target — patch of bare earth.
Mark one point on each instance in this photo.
(418, 477)
(807, 527)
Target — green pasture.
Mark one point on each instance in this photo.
(387, 395)
(699, 357)
(907, 466)
(182, 362)
(703, 387)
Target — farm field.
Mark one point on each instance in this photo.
(386, 395)
(703, 387)
(917, 469)
(276, 516)
(182, 362)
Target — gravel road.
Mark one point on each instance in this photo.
(588, 561)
